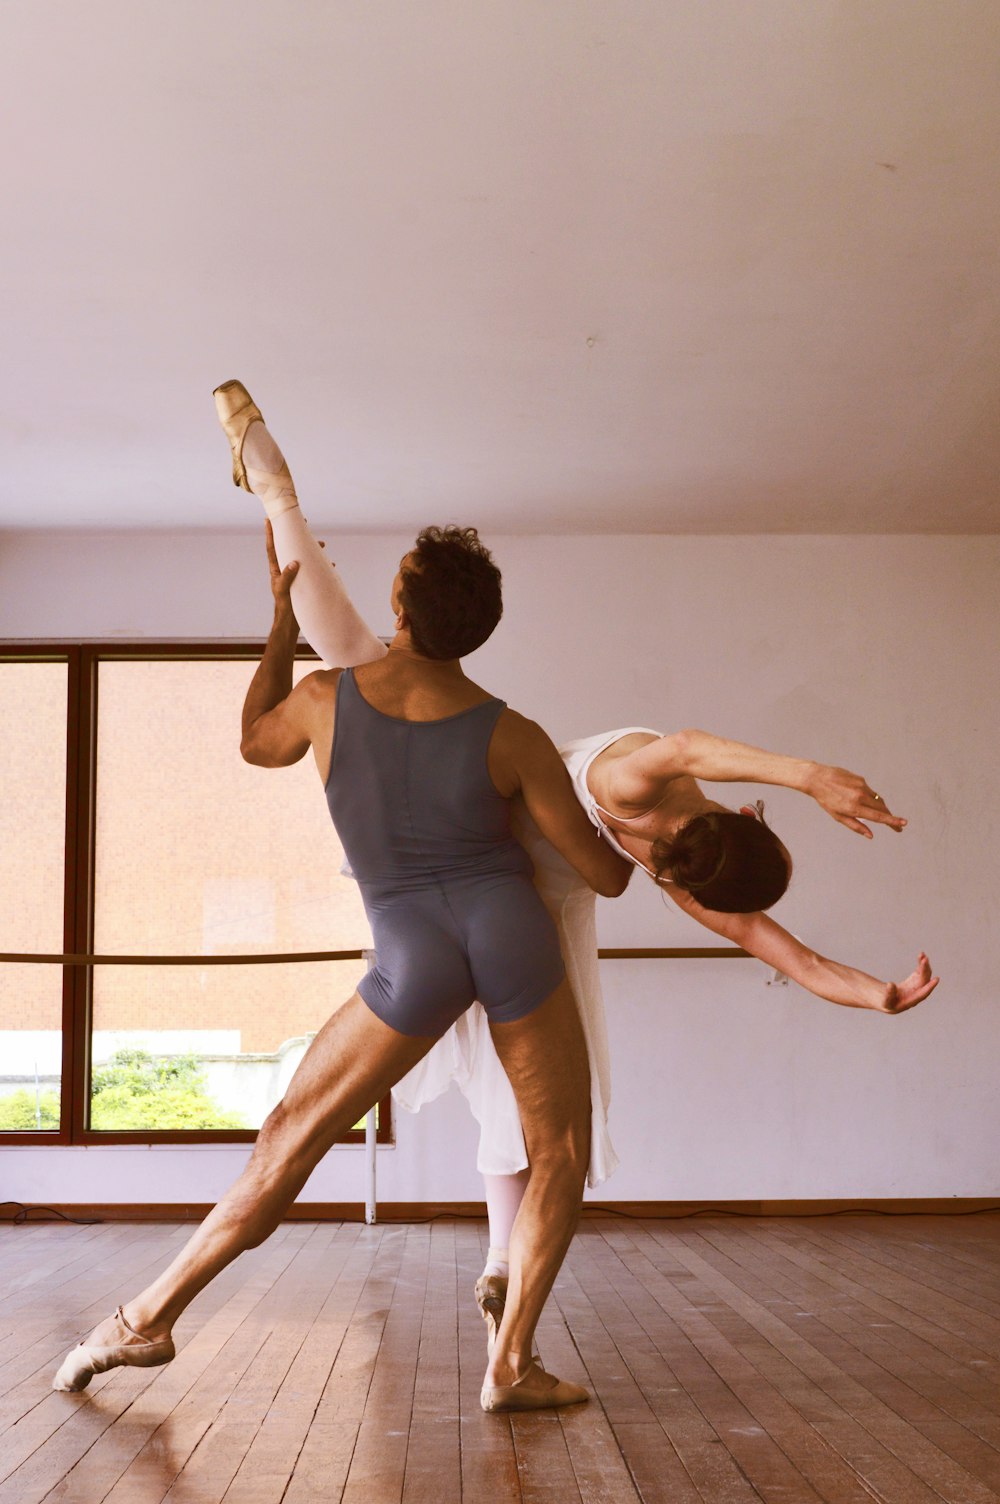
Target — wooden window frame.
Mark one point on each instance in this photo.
(82, 659)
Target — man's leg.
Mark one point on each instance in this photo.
(353, 1061)
(545, 1056)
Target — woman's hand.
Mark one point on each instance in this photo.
(918, 985)
(281, 579)
(847, 797)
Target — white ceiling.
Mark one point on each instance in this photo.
(539, 265)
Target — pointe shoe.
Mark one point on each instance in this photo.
(237, 410)
(527, 1394)
(491, 1297)
(134, 1350)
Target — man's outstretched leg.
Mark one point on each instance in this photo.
(545, 1056)
(353, 1061)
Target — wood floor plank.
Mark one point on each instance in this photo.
(543, 1464)
(264, 1475)
(378, 1466)
(51, 1413)
(952, 1406)
(489, 1461)
(669, 1391)
(45, 1259)
(601, 1472)
(965, 1390)
(958, 1365)
(54, 1321)
(657, 1471)
(45, 1328)
(786, 1407)
(757, 1411)
(934, 1269)
(65, 1428)
(433, 1469)
(340, 1412)
(829, 1372)
(940, 1315)
(220, 1461)
(813, 1361)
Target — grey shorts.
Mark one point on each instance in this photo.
(439, 949)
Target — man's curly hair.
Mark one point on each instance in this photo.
(451, 592)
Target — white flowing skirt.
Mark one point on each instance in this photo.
(466, 1055)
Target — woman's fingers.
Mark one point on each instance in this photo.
(874, 807)
(918, 986)
(853, 824)
(847, 797)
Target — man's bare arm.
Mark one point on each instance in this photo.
(547, 790)
(277, 718)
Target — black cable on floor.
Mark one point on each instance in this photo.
(24, 1215)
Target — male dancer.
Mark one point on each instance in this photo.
(419, 765)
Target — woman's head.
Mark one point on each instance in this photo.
(727, 861)
(449, 588)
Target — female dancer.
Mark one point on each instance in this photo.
(639, 789)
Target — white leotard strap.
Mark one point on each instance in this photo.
(578, 757)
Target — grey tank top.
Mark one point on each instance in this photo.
(413, 801)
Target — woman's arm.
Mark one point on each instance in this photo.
(763, 937)
(638, 780)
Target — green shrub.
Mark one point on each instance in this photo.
(137, 1090)
(133, 1090)
(17, 1112)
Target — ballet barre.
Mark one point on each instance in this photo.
(605, 953)
(79, 958)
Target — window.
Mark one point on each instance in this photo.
(33, 697)
(183, 859)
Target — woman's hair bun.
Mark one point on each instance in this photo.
(728, 861)
(695, 855)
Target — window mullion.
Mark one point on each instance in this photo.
(79, 885)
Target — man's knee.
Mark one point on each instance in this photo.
(564, 1152)
(282, 1132)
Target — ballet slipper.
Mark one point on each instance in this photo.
(237, 410)
(133, 1350)
(491, 1297)
(534, 1390)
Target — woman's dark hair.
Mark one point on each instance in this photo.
(728, 862)
(451, 592)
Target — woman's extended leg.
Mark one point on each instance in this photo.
(353, 1061)
(323, 608)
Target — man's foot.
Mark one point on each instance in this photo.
(491, 1297)
(534, 1390)
(112, 1343)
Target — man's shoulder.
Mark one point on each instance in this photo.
(524, 737)
(320, 685)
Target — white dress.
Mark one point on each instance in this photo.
(466, 1055)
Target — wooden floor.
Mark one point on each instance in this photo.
(841, 1358)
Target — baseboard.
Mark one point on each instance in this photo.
(426, 1211)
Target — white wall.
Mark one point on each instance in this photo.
(877, 653)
